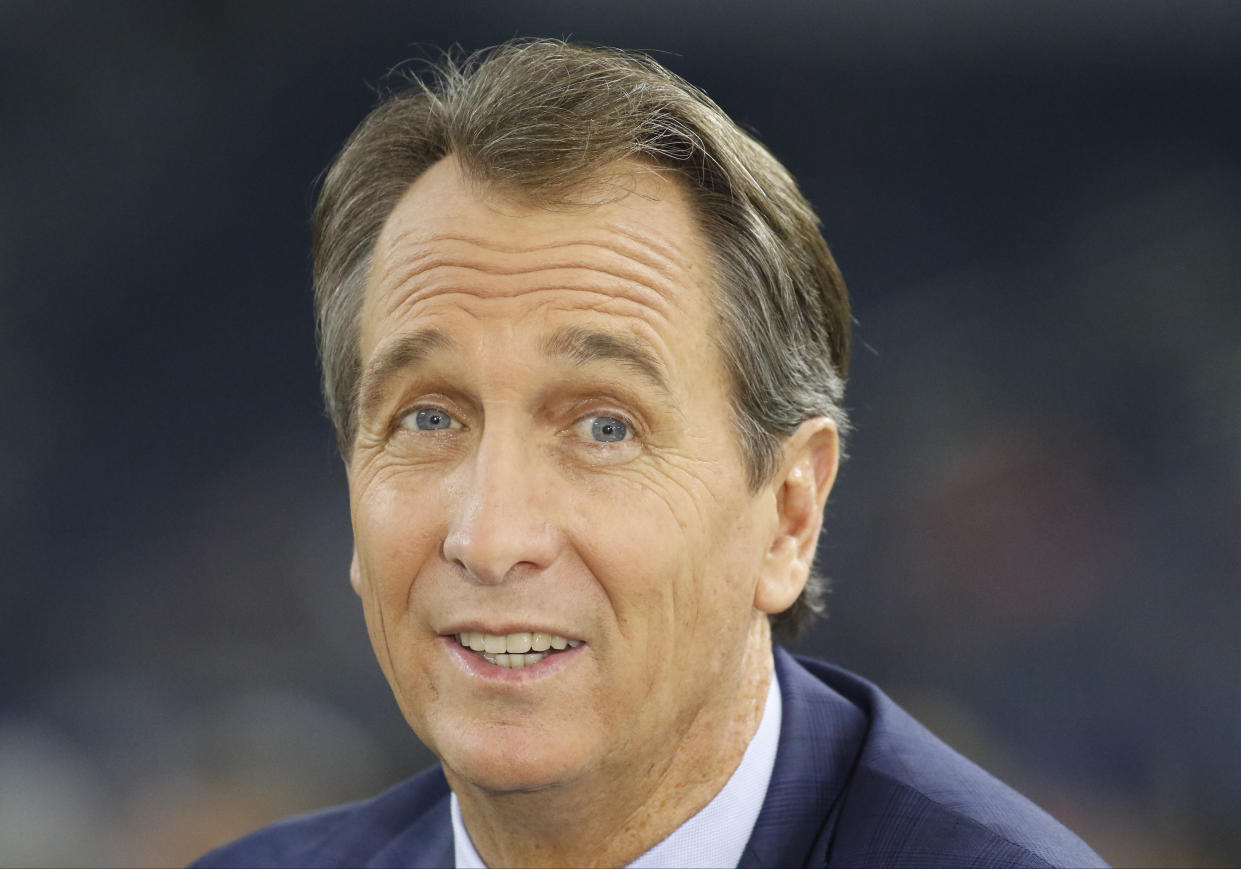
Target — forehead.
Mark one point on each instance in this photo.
(451, 247)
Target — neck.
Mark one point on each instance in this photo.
(613, 818)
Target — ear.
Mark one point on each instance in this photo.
(802, 484)
(355, 573)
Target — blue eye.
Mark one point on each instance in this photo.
(608, 429)
(431, 419)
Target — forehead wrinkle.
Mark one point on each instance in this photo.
(665, 249)
(421, 254)
(638, 316)
(666, 258)
(449, 265)
(604, 287)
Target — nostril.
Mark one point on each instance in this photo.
(500, 539)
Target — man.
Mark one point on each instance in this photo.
(584, 348)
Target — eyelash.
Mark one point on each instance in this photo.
(592, 408)
(623, 419)
(444, 407)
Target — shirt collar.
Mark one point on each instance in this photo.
(718, 834)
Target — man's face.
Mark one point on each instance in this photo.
(545, 446)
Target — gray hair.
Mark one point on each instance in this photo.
(538, 118)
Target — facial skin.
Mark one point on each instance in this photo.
(545, 443)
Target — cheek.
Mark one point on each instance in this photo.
(660, 544)
(395, 533)
(394, 536)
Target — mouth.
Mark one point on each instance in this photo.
(515, 651)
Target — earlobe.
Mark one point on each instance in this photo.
(805, 478)
(355, 573)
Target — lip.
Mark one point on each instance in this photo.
(475, 666)
(504, 630)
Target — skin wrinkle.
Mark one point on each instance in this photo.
(600, 292)
(673, 261)
(595, 296)
(436, 261)
(599, 285)
(388, 658)
(418, 263)
(665, 249)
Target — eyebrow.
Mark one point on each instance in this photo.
(584, 346)
(405, 352)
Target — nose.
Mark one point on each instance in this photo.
(500, 525)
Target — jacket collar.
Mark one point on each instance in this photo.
(821, 736)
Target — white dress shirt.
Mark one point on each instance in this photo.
(716, 836)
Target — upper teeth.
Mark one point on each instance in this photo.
(519, 643)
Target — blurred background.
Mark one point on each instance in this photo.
(1034, 545)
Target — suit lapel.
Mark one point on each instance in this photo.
(427, 842)
(821, 734)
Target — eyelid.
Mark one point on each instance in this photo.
(593, 408)
(623, 420)
(428, 403)
(581, 431)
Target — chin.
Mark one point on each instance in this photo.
(509, 758)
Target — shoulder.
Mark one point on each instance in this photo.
(910, 799)
(411, 817)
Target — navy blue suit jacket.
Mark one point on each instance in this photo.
(857, 782)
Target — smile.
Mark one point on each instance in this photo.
(515, 651)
